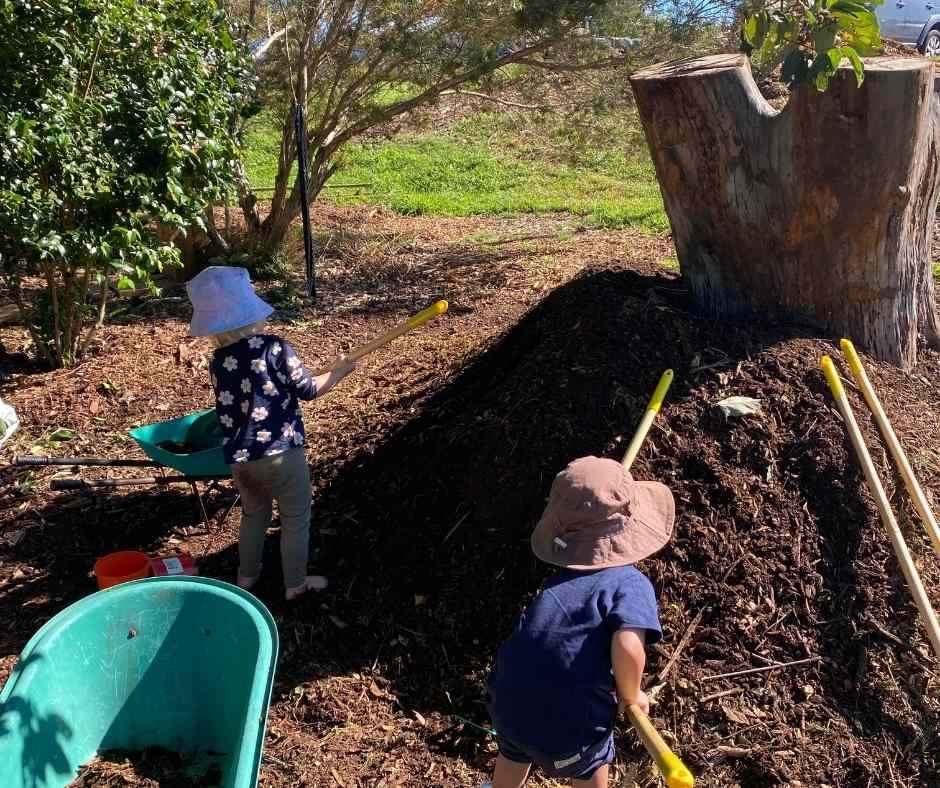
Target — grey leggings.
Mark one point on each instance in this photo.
(284, 478)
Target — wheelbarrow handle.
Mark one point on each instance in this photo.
(30, 460)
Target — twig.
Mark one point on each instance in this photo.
(722, 694)
(91, 70)
(100, 322)
(690, 630)
(761, 670)
(456, 526)
(890, 635)
(494, 99)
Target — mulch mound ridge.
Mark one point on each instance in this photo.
(428, 486)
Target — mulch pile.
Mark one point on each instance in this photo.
(152, 768)
(432, 467)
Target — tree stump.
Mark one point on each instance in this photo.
(819, 214)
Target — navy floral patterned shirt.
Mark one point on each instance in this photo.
(258, 382)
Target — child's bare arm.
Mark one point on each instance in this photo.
(300, 382)
(628, 656)
(327, 380)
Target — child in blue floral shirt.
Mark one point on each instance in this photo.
(259, 381)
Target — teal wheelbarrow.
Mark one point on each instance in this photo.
(190, 445)
(186, 664)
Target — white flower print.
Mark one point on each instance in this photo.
(263, 436)
(230, 363)
(245, 407)
(241, 455)
(226, 421)
(258, 365)
(276, 348)
(286, 402)
(293, 362)
(273, 452)
(298, 439)
(259, 414)
(255, 342)
(246, 385)
(225, 441)
(297, 374)
(287, 430)
(281, 377)
(269, 388)
(226, 398)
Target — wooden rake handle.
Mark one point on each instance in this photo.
(652, 408)
(435, 310)
(908, 568)
(673, 770)
(897, 451)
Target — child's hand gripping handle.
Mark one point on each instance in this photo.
(435, 310)
(673, 770)
(652, 408)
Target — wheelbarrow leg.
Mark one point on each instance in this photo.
(228, 511)
(202, 509)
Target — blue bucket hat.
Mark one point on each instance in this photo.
(224, 300)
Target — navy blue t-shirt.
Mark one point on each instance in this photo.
(258, 382)
(553, 687)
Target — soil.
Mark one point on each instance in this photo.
(432, 464)
(177, 448)
(152, 768)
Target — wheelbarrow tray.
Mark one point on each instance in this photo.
(200, 430)
(183, 663)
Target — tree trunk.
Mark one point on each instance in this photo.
(820, 214)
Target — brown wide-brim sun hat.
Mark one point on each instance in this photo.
(598, 516)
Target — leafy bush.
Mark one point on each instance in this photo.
(117, 129)
(809, 40)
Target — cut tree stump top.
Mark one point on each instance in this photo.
(714, 65)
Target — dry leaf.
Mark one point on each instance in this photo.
(740, 406)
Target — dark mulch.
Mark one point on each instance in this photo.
(151, 768)
(432, 466)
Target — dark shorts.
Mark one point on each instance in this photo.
(578, 765)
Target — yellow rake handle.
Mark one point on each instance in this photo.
(652, 408)
(927, 518)
(435, 310)
(673, 770)
(901, 552)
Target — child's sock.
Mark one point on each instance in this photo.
(311, 583)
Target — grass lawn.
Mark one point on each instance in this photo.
(468, 171)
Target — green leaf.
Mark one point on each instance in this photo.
(857, 65)
(125, 283)
(749, 30)
(834, 56)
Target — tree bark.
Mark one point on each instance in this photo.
(819, 214)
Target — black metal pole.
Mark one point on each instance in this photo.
(300, 133)
(97, 461)
(62, 485)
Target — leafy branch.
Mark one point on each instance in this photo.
(810, 41)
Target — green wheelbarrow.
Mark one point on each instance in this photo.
(200, 432)
(186, 664)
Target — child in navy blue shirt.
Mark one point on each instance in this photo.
(579, 646)
(259, 381)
